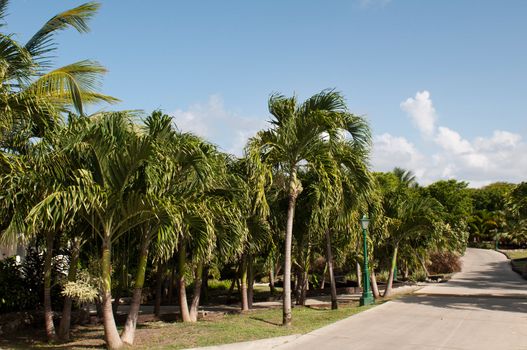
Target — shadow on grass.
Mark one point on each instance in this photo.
(265, 321)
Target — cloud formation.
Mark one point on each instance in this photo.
(221, 126)
(499, 157)
(421, 111)
(480, 161)
(390, 151)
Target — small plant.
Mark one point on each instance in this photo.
(418, 276)
(84, 290)
(444, 262)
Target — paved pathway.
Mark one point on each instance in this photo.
(482, 307)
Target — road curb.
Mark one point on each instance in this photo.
(452, 295)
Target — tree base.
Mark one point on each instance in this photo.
(367, 300)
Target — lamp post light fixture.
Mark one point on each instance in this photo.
(496, 238)
(367, 296)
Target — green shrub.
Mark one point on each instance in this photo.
(418, 276)
(382, 276)
(14, 293)
(215, 284)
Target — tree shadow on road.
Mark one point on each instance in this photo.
(496, 275)
(468, 303)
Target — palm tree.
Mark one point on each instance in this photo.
(104, 194)
(31, 103)
(407, 214)
(198, 202)
(29, 177)
(251, 202)
(31, 99)
(300, 136)
(336, 205)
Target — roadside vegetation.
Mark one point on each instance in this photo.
(213, 330)
(122, 207)
(518, 258)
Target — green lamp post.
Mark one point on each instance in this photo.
(367, 296)
(496, 238)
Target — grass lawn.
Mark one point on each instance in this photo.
(518, 259)
(516, 253)
(256, 324)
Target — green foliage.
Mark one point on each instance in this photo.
(418, 276)
(454, 196)
(492, 197)
(14, 294)
(32, 100)
(516, 215)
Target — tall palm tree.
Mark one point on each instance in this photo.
(253, 212)
(199, 197)
(44, 168)
(407, 214)
(31, 97)
(336, 205)
(300, 136)
(104, 194)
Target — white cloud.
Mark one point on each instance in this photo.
(390, 151)
(451, 141)
(499, 139)
(223, 127)
(421, 111)
(480, 161)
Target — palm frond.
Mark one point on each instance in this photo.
(3, 11)
(74, 84)
(41, 42)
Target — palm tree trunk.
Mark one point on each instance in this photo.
(250, 280)
(374, 286)
(334, 304)
(303, 275)
(48, 312)
(159, 288)
(171, 283)
(118, 292)
(194, 304)
(231, 289)
(323, 283)
(111, 336)
(303, 287)
(182, 266)
(204, 299)
(296, 285)
(388, 290)
(277, 269)
(359, 273)
(65, 321)
(131, 321)
(243, 268)
(271, 281)
(423, 264)
(293, 194)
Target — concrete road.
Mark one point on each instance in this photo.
(482, 307)
(484, 273)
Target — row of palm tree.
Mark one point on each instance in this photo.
(145, 196)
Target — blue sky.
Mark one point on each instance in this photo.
(443, 83)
